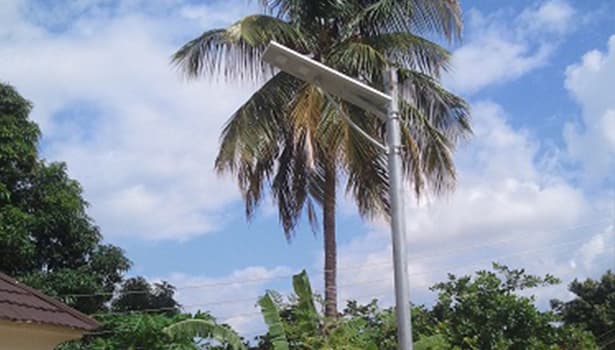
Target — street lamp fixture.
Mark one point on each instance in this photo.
(386, 107)
(330, 80)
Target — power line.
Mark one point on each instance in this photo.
(605, 333)
(312, 271)
(252, 334)
(609, 342)
(373, 294)
(255, 298)
(490, 243)
(453, 268)
(507, 240)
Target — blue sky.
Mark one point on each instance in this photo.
(536, 184)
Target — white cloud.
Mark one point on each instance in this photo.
(492, 59)
(554, 16)
(140, 139)
(217, 13)
(506, 208)
(146, 151)
(601, 245)
(500, 178)
(503, 47)
(592, 140)
(232, 298)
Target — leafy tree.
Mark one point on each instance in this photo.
(47, 240)
(205, 328)
(486, 312)
(18, 156)
(381, 324)
(592, 309)
(142, 331)
(434, 342)
(289, 137)
(137, 294)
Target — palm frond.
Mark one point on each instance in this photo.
(435, 120)
(254, 138)
(428, 157)
(446, 112)
(235, 53)
(289, 185)
(411, 52)
(440, 17)
(305, 13)
(435, 16)
(412, 158)
(205, 328)
(305, 113)
(366, 165)
(366, 58)
(358, 59)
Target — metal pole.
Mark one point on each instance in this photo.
(402, 288)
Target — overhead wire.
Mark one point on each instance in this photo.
(368, 282)
(319, 271)
(252, 334)
(372, 294)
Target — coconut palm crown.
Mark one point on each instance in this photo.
(288, 137)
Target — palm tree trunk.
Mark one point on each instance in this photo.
(330, 244)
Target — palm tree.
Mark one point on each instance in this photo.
(289, 138)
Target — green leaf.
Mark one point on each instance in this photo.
(235, 53)
(272, 318)
(205, 328)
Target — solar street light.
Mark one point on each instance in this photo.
(386, 107)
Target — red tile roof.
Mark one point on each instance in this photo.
(20, 303)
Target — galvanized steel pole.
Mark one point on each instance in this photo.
(398, 229)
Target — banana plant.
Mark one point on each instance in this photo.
(311, 330)
(205, 328)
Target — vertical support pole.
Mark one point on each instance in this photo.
(400, 264)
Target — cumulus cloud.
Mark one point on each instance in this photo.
(501, 49)
(232, 298)
(142, 142)
(507, 208)
(140, 139)
(601, 245)
(214, 14)
(591, 141)
(552, 16)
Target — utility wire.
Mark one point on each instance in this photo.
(253, 314)
(314, 272)
(254, 298)
(496, 242)
(604, 334)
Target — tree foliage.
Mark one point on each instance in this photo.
(484, 311)
(487, 311)
(205, 328)
(298, 324)
(47, 240)
(134, 331)
(592, 309)
(137, 294)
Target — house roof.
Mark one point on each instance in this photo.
(20, 303)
